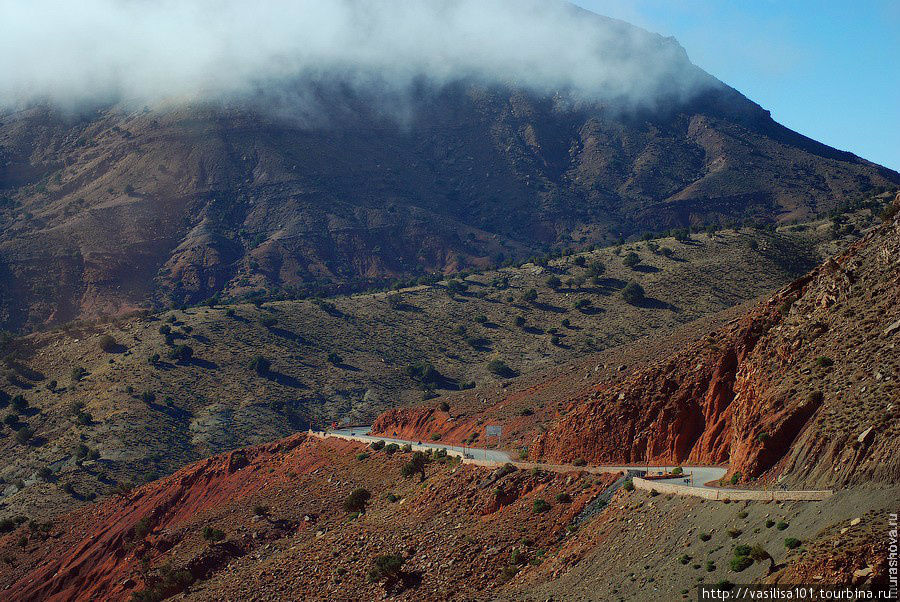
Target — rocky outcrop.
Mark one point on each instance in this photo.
(801, 389)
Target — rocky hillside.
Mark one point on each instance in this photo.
(135, 399)
(107, 210)
(803, 389)
(258, 519)
(286, 520)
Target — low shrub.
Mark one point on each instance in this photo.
(213, 534)
(387, 567)
(739, 563)
(540, 506)
(357, 500)
(792, 543)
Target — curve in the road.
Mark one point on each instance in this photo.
(695, 476)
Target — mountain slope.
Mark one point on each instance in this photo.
(105, 210)
(804, 389)
(801, 391)
(146, 413)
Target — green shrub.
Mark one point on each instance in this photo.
(632, 260)
(792, 543)
(435, 436)
(742, 550)
(678, 470)
(181, 353)
(705, 536)
(579, 462)
(554, 282)
(633, 293)
(769, 523)
(416, 466)
(260, 365)
(628, 485)
(742, 514)
(362, 456)
(824, 361)
(24, 435)
(391, 448)
(107, 343)
(781, 525)
(540, 506)
(563, 498)
(386, 567)
(213, 534)
(739, 563)
(734, 533)
(506, 469)
(499, 368)
(710, 566)
(377, 445)
(141, 529)
(357, 500)
(684, 559)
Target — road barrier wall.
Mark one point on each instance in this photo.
(731, 494)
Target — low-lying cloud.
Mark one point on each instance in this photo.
(151, 51)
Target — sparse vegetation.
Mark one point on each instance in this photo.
(540, 506)
(357, 500)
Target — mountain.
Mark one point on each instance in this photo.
(130, 392)
(800, 391)
(107, 210)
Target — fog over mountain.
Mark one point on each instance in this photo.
(151, 51)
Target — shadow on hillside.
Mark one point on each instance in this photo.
(645, 269)
(286, 334)
(346, 367)
(589, 311)
(651, 303)
(286, 381)
(205, 364)
(547, 307)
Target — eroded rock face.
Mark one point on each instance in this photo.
(788, 389)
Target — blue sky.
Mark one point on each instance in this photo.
(829, 69)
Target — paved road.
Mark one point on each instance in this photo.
(488, 455)
(701, 474)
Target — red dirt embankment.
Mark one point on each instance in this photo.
(97, 554)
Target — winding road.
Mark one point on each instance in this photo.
(697, 476)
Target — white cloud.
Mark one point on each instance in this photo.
(148, 51)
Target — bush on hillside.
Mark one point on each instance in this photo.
(357, 500)
(633, 293)
(108, 343)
